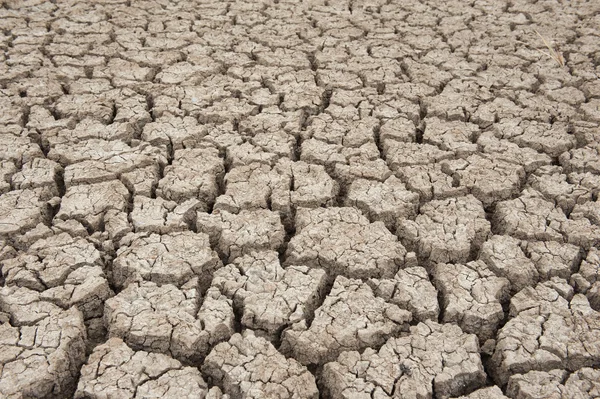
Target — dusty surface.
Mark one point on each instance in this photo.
(283, 199)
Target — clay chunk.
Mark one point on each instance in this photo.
(235, 235)
(248, 366)
(446, 230)
(194, 173)
(531, 217)
(88, 203)
(472, 296)
(269, 297)
(165, 259)
(65, 270)
(42, 346)
(485, 393)
(342, 241)
(386, 202)
(490, 180)
(117, 371)
(22, 210)
(559, 384)
(284, 187)
(549, 328)
(505, 257)
(157, 215)
(350, 318)
(411, 290)
(446, 362)
(587, 280)
(167, 319)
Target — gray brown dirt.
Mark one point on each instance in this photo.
(333, 199)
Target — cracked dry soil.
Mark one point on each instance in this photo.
(322, 199)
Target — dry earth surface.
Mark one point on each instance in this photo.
(357, 199)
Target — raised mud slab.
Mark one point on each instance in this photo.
(323, 199)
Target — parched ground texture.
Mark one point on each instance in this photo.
(336, 199)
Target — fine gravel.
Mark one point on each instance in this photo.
(322, 199)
